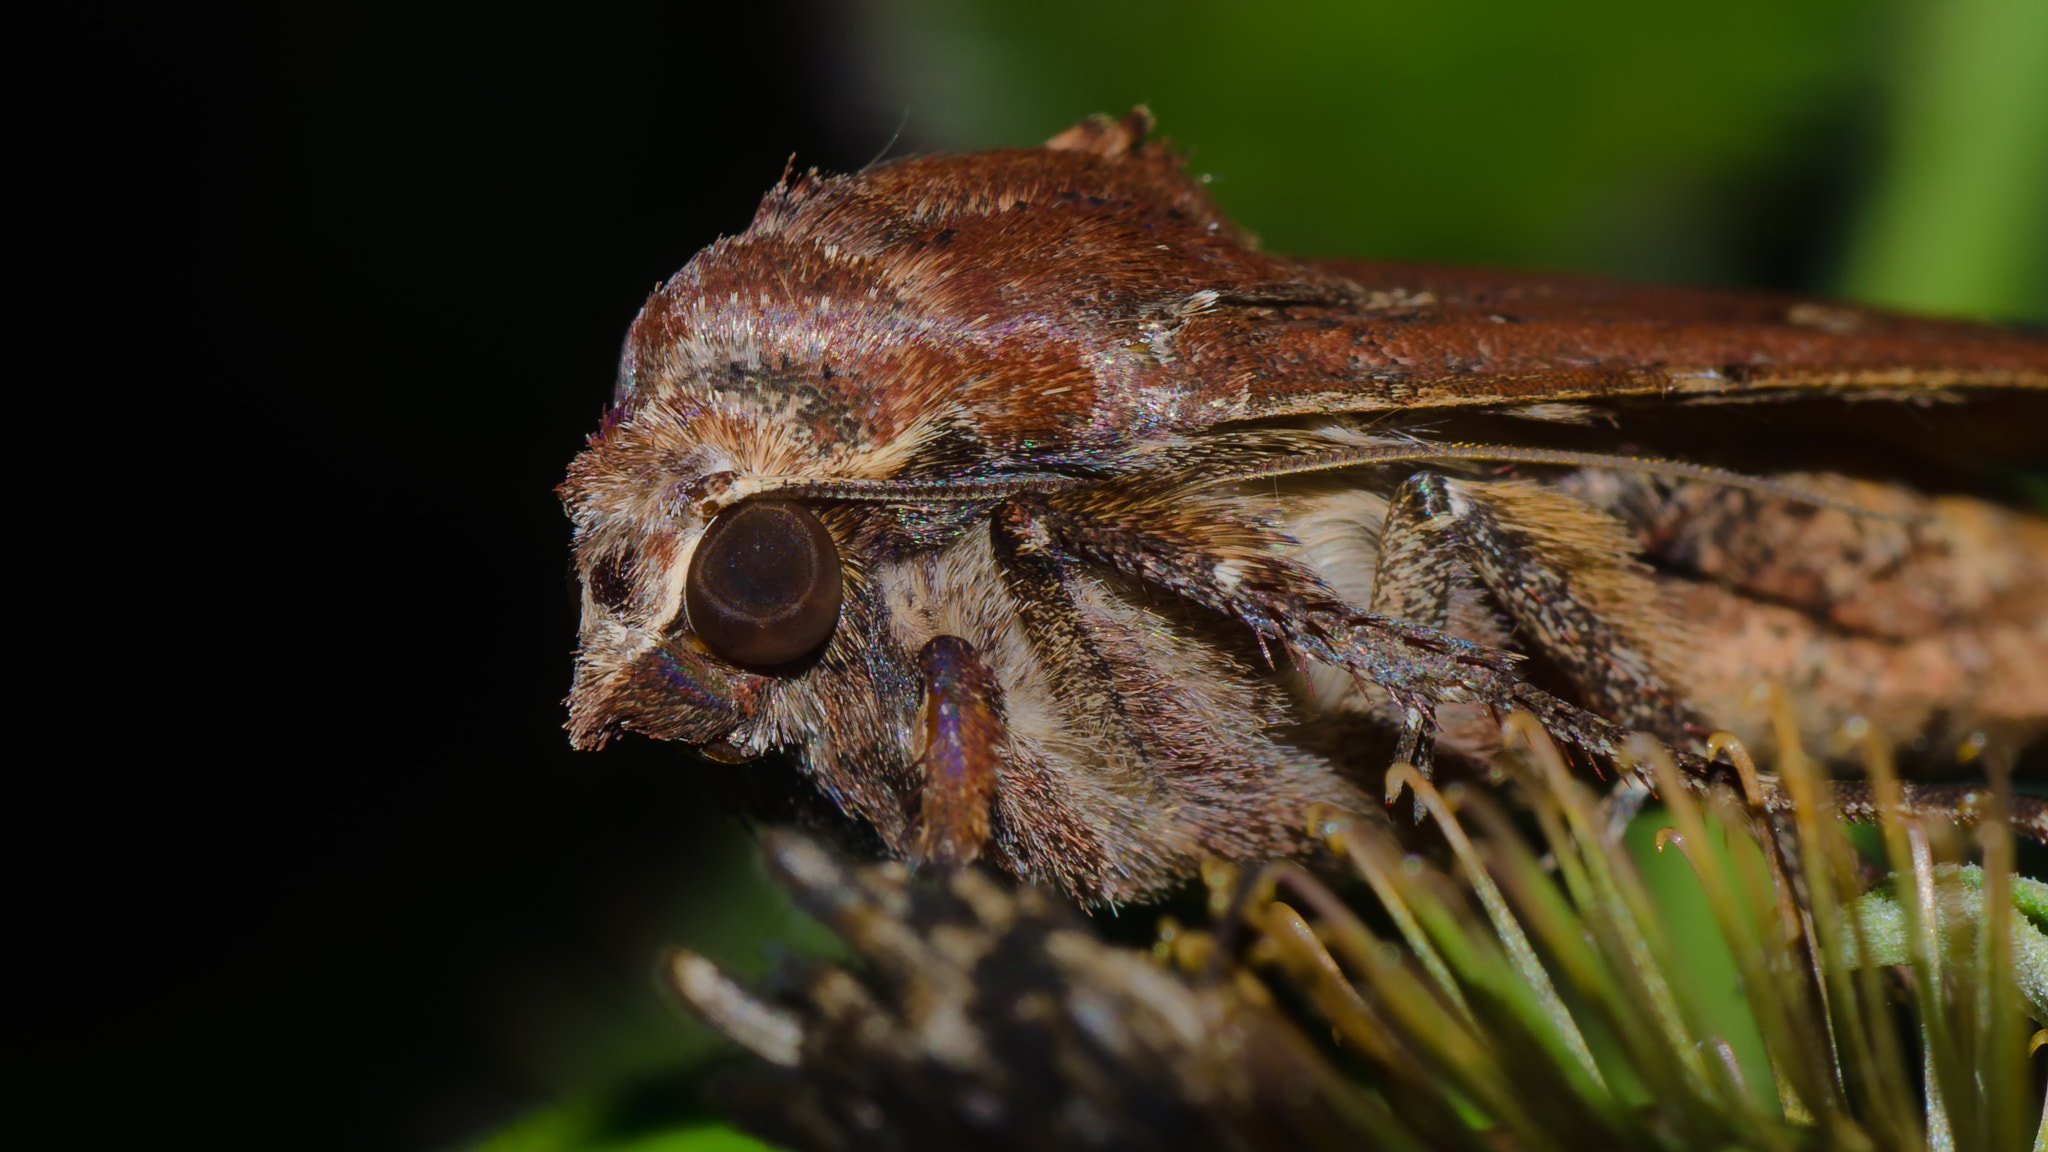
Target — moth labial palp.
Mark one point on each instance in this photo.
(959, 741)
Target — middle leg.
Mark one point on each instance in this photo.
(1564, 576)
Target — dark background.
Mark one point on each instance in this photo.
(298, 852)
(322, 302)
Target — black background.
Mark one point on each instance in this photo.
(320, 307)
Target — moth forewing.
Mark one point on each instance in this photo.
(1150, 539)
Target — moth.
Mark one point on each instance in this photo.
(1043, 518)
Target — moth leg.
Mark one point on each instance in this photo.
(1226, 565)
(1207, 552)
(1560, 571)
(1415, 579)
(960, 729)
(1039, 578)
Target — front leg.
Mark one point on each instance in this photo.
(959, 729)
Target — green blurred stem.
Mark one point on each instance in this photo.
(1962, 905)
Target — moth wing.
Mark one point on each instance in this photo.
(1420, 336)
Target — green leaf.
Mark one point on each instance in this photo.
(589, 1126)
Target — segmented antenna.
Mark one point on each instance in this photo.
(997, 488)
(899, 491)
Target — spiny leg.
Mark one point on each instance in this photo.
(960, 728)
(1418, 572)
(1559, 571)
(1440, 535)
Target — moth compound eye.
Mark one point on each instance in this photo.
(764, 585)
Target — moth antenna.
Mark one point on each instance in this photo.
(996, 488)
(1676, 469)
(732, 489)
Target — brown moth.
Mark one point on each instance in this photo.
(1043, 518)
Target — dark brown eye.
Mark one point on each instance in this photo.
(764, 584)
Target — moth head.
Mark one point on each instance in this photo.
(903, 323)
(696, 613)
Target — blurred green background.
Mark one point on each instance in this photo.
(1893, 152)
